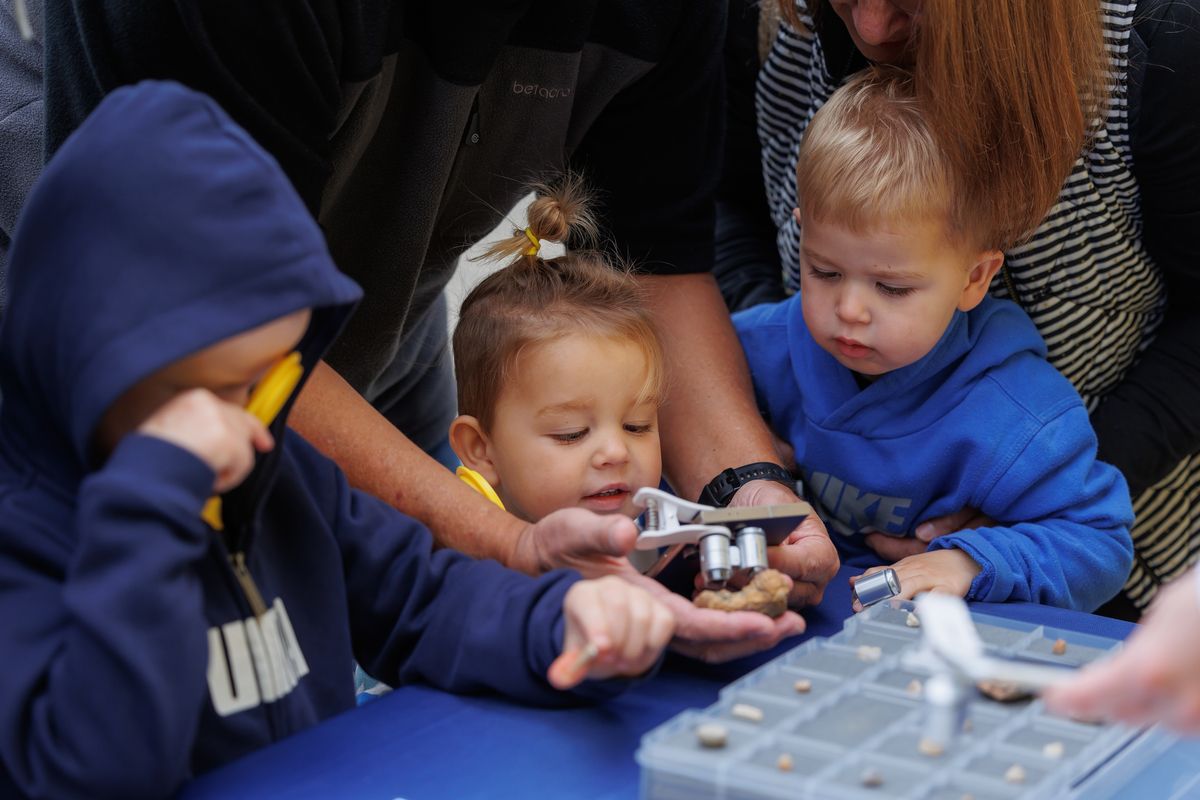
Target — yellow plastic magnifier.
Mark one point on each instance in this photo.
(265, 403)
(477, 482)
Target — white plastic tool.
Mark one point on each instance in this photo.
(729, 539)
(951, 641)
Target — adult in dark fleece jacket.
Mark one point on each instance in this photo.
(141, 644)
(408, 127)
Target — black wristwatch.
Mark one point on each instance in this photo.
(720, 490)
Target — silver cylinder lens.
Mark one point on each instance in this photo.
(879, 586)
(714, 558)
(752, 547)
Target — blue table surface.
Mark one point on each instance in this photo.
(419, 743)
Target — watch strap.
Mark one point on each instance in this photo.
(720, 490)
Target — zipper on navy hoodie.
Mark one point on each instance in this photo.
(235, 558)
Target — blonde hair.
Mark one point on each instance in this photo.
(869, 158)
(533, 300)
(1012, 91)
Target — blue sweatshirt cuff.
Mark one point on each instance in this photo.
(164, 469)
(984, 582)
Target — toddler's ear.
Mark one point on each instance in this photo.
(471, 445)
(979, 278)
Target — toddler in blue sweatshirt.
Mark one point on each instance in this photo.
(162, 268)
(907, 393)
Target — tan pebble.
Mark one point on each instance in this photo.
(1060, 647)
(1053, 750)
(712, 734)
(912, 620)
(914, 687)
(968, 726)
(1003, 691)
(803, 686)
(747, 712)
(868, 653)
(784, 762)
(871, 778)
(928, 747)
(1015, 774)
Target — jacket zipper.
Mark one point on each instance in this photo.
(237, 560)
(272, 712)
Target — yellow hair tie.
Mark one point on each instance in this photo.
(537, 244)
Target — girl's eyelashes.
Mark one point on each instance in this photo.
(635, 428)
(820, 274)
(568, 438)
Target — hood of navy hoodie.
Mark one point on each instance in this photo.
(159, 228)
(903, 401)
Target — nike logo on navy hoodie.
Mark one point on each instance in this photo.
(132, 656)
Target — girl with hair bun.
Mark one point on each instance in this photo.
(560, 372)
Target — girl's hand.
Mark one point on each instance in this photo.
(612, 628)
(950, 571)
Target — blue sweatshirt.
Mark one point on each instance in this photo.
(982, 420)
(132, 654)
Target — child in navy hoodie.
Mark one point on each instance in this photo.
(162, 267)
(907, 393)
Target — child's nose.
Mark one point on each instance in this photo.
(612, 450)
(852, 306)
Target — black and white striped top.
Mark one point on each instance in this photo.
(1084, 277)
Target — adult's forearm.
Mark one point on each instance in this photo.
(379, 459)
(709, 421)
(1149, 422)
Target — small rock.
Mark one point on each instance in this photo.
(1015, 774)
(747, 712)
(1060, 647)
(912, 620)
(1003, 691)
(914, 687)
(928, 747)
(803, 686)
(968, 725)
(871, 778)
(869, 653)
(712, 734)
(1053, 750)
(766, 593)
(784, 762)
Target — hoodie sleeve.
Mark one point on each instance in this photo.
(104, 674)
(1069, 543)
(440, 617)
